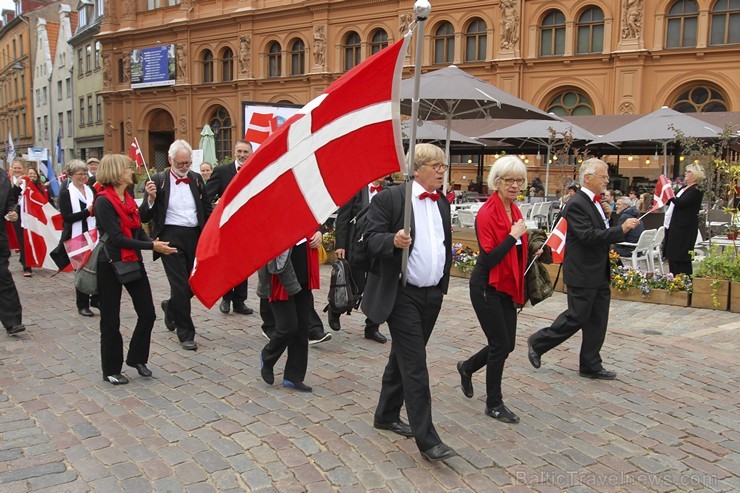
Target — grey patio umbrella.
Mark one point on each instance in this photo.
(451, 93)
(431, 131)
(540, 132)
(208, 145)
(660, 126)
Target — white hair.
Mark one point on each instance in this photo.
(506, 166)
(589, 168)
(177, 146)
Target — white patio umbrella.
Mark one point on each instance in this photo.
(541, 132)
(431, 131)
(451, 93)
(660, 126)
(208, 145)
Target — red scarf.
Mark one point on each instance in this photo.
(277, 290)
(492, 226)
(128, 213)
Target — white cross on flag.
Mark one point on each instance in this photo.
(42, 227)
(316, 161)
(556, 241)
(134, 152)
(663, 193)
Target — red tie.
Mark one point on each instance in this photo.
(429, 195)
(376, 189)
(179, 180)
(597, 199)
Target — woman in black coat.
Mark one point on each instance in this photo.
(682, 222)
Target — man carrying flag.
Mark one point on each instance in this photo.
(10, 303)
(586, 273)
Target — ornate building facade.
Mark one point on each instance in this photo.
(572, 57)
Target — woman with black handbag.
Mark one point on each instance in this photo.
(120, 265)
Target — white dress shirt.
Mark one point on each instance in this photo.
(669, 211)
(591, 196)
(181, 210)
(427, 258)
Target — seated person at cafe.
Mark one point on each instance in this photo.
(626, 211)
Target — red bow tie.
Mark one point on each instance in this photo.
(597, 199)
(376, 189)
(429, 195)
(179, 180)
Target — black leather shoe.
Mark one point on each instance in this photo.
(534, 358)
(15, 329)
(85, 312)
(466, 380)
(318, 337)
(225, 306)
(168, 322)
(267, 375)
(242, 309)
(333, 318)
(189, 345)
(438, 452)
(502, 413)
(599, 375)
(299, 386)
(376, 336)
(142, 369)
(116, 379)
(397, 427)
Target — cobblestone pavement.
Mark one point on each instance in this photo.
(207, 422)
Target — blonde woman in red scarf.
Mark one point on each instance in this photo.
(497, 281)
(118, 217)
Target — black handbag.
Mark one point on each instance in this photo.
(126, 271)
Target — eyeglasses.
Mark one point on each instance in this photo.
(510, 181)
(439, 168)
(183, 163)
(601, 177)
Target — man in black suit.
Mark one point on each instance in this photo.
(217, 184)
(10, 304)
(178, 206)
(411, 310)
(586, 273)
(345, 231)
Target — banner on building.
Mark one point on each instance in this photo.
(153, 67)
(261, 119)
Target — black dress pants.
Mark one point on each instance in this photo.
(238, 294)
(177, 267)
(83, 300)
(291, 332)
(497, 317)
(588, 310)
(677, 267)
(10, 303)
(21, 240)
(406, 377)
(315, 325)
(111, 341)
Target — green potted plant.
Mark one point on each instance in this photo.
(712, 278)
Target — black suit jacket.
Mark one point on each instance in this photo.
(220, 179)
(587, 243)
(385, 218)
(344, 230)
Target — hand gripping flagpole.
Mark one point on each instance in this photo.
(422, 9)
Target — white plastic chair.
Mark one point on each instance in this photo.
(656, 255)
(642, 251)
(466, 218)
(525, 210)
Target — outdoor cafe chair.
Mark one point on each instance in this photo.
(643, 249)
(466, 218)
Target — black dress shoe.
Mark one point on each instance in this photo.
(438, 452)
(502, 413)
(299, 386)
(116, 379)
(397, 427)
(242, 309)
(466, 380)
(376, 336)
(85, 312)
(189, 345)
(15, 329)
(168, 322)
(599, 375)
(333, 318)
(267, 375)
(534, 358)
(225, 306)
(142, 369)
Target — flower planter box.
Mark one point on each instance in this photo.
(735, 297)
(705, 295)
(552, 269)
(454, 271)
(658, 296)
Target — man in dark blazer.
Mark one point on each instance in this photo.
(344, 233)
(586, 272)
(10, 304)
(178, 206)
(217, 184)
(411, 310)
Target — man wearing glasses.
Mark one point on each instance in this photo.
(586, 273)
(177, 206)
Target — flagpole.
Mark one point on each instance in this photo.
(422, 9)
(146, 166)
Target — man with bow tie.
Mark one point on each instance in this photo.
(586, 272)
(411, 310)
(178, 206)
(344, 233)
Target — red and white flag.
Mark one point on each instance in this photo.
(663, 193)
(316, 161)
(260, 126)
(80, 247)
(42, 227)
(134, 152)
(556, 241)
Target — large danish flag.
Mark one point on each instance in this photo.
(317, 160)
(663, 193)
(42, 227)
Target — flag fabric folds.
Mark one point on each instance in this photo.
(556, 241)
(134, 152)
(317, 160)
(663, 193)
(260, 126)
(80, 247)
(42, 227)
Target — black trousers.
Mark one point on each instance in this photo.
(83, 300)
(406, 377)
(497, 317)
(680, 267)
(291, 332)
(238, 294)
(315, 325)
(177, 267)
(10, 304)
(21, 240)
(111, 341)
(588, 310)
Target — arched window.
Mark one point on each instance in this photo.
(379, 41)
(227, 64)
(552, 34)
(591, 31)
(444, 43)
(220, 123)
(297, 57)
(475, 41)
(274, 60)
(571, 102)
(351, 48)
(700, 99)
(725, 23)
(681, 22)
(207, 66)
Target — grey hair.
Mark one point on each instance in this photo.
(589, 168)
(75, 166)
(177, 146)
(506, 166)
(624, 200)
(425, 153)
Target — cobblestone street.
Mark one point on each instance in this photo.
(207, 422)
